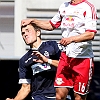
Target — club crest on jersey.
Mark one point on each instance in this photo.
(59, 81)
(46, 53)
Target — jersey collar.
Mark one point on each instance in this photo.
(37, 47)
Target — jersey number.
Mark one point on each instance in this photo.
(81, 87)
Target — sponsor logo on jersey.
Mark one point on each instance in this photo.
(69, 22)
(70, 19)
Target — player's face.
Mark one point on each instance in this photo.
(29, 34)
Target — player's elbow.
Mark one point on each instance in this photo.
(49, 26)
(92, 35)
(26, 87)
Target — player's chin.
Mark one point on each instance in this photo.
(27, 42)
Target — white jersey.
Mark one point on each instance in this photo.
(75, 20)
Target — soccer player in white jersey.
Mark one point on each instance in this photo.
(77, 20)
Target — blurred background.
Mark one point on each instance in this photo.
(12, 47)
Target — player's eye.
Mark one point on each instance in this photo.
(23, 33)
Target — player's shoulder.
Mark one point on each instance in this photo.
(51, 42)
(64, 4)
(88, 4)
(25, 55)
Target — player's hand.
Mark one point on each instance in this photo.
(9, 99)
(26, 22)
(66, 41)
(41, 58)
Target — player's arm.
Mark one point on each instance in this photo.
(22, 93)
(43, 24)
(84, 37)
(79, 38)
(90, 26)
(53, 62)
(43, 59)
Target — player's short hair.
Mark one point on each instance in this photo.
(34, 26)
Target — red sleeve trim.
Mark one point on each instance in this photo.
(95, 31)
(55, 25)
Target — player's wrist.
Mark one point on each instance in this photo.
(49, 61)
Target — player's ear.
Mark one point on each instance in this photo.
(38, 33)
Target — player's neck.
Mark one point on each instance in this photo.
(37, 44)
(76, 1)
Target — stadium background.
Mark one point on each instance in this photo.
(12, 46)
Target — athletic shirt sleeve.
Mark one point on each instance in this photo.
(90, 18)
(24, 72)
(56, 20)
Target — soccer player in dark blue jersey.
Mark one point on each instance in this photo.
(37, 68)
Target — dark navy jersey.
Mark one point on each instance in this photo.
(40, 76)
